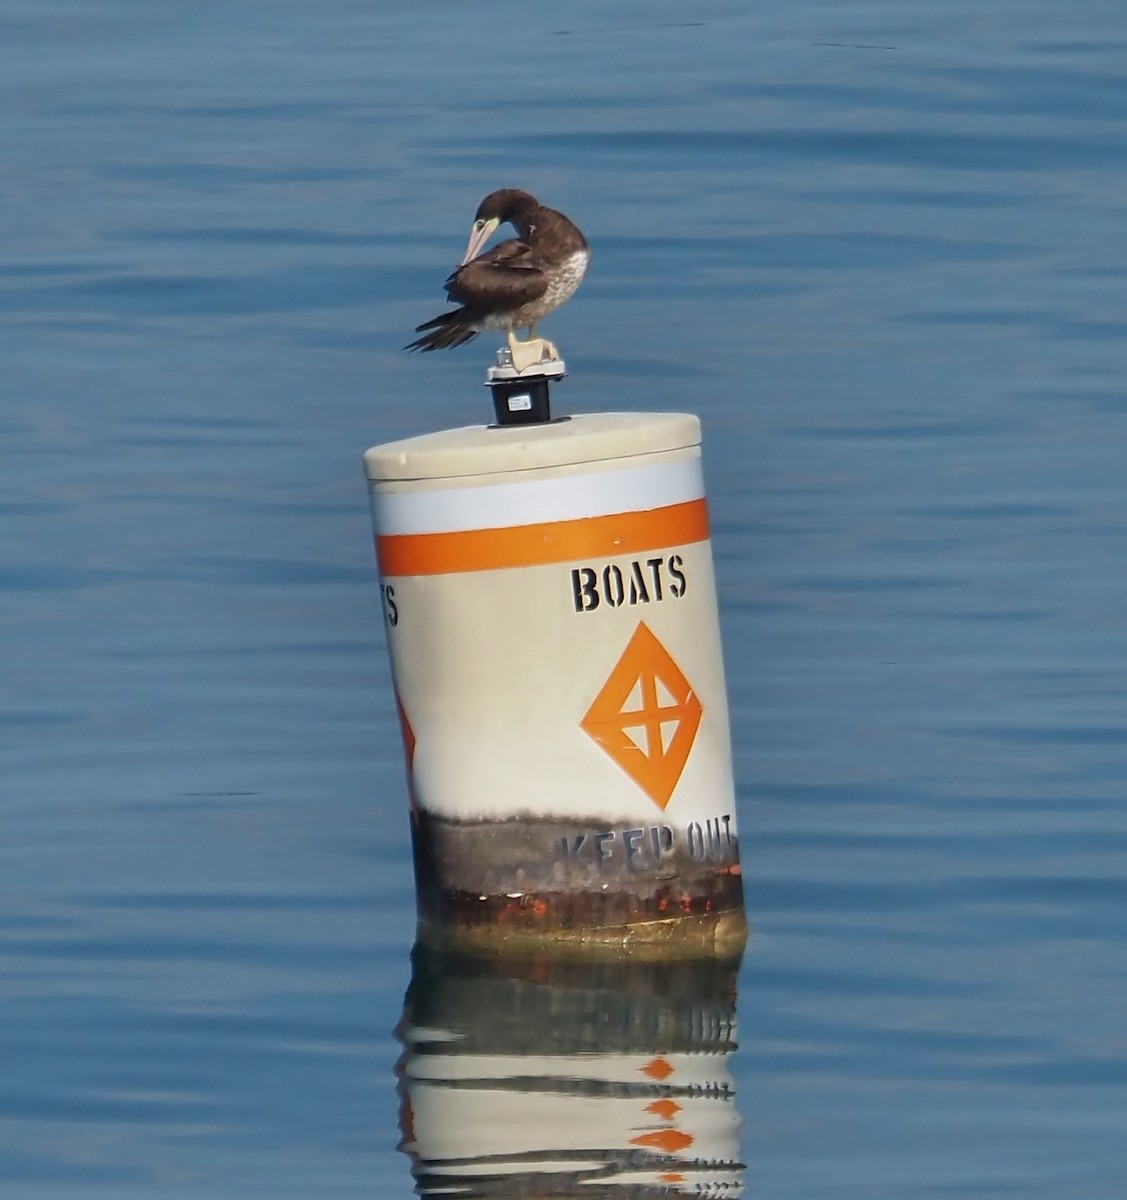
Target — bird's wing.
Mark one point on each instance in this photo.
(500, 280)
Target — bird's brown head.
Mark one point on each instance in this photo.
(507, 205)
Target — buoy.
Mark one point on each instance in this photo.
(551, 620)
(506, 1074)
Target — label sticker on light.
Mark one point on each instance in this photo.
(520, 403)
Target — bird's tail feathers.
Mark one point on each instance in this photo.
(447, 330)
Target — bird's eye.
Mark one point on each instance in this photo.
(479, 225)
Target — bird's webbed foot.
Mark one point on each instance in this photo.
(532, 352)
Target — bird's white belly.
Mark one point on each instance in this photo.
(562, 286)
(566, 281)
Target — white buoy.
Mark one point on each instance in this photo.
(552, 626)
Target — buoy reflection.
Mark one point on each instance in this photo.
(539, 1078)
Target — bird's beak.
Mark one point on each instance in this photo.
(479, 235)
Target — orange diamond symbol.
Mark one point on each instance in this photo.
(408, 748)
(646, 717)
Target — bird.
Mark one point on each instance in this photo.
(514, 285)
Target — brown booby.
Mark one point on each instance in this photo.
(514, 285)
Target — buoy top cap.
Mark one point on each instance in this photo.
(486, 449)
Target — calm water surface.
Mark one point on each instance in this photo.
(881, 249)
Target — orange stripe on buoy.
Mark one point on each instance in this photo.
(537, 545)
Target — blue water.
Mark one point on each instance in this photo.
(879, 247)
